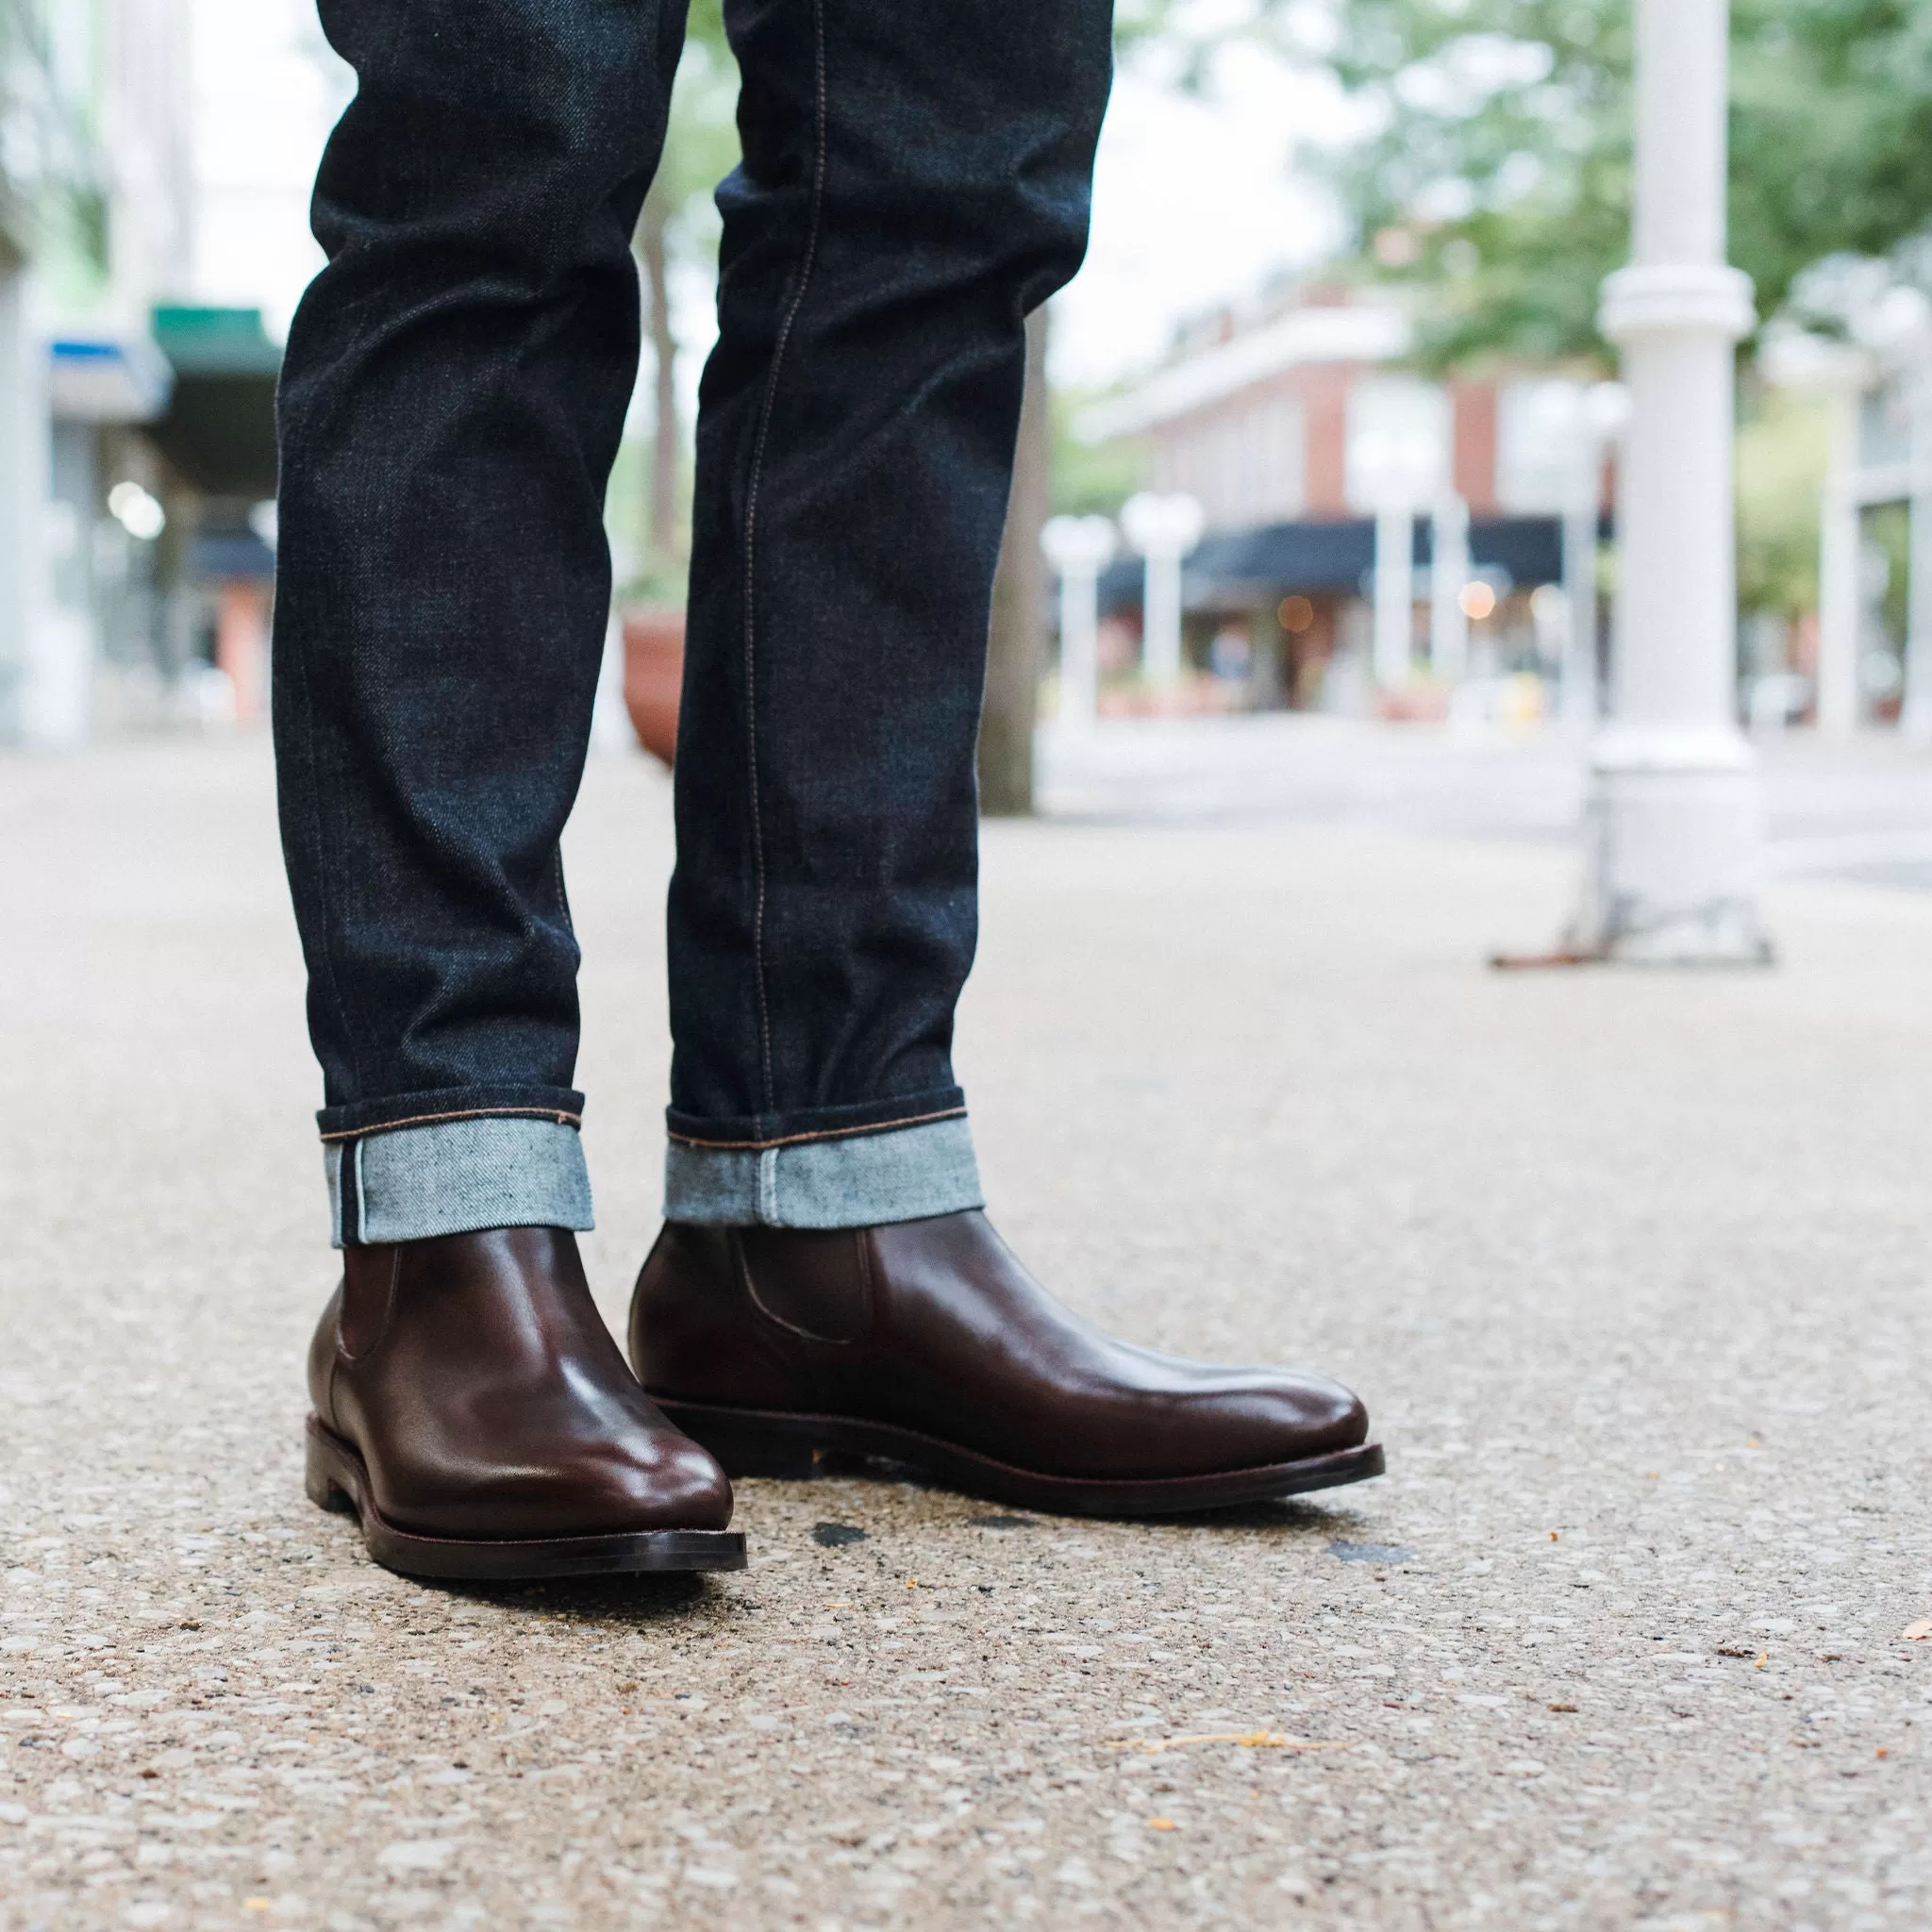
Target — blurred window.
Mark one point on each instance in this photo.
(1280, 446)
(1245, 465)
(1539, 428)
(1399, 432)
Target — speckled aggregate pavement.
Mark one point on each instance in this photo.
(1632, 1268)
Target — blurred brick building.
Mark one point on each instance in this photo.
(1279, 419)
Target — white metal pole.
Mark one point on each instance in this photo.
(1394, 618)
(1915, 717)
(1673, 834)
(1448, 580)
(1581, 697)
(1837, 572)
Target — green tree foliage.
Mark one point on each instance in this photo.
(1094, 479)
(52, 204)
(1499, 167)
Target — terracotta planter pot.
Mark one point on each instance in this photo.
(1413, 704)
(654, 676)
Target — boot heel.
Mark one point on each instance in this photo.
(751, 1444)
(319, 1480)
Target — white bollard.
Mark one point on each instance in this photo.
(1673, 834)
(1077, 549)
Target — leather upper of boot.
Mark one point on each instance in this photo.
(487, 1400)
(935, 1325)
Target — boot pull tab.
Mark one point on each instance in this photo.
(818, 1283)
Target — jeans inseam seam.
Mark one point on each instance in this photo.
(751, 518)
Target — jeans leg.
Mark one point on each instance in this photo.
(453, 395)
(916, 179)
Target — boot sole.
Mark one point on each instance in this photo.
(761, 1443)
(338, 1479)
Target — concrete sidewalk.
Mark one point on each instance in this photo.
(1633, 1269)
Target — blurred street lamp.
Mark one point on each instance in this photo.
(1583, 422)
(1889, 328)
(1397, 470)
(1604, 418)
(1839, 373)
(1673, 832)
(1395, 604)
(1077, 550)
(1839, 602)
(1163, 529)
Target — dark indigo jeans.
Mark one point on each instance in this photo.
(915, 179)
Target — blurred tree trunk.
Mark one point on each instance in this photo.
(1017, 647)
(660, 545)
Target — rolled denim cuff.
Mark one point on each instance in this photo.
(456, 1177)
(850, 1180)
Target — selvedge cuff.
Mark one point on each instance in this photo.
(848, 1180)
(455, 1177)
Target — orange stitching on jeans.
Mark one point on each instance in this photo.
(473, 1113)
(918, 1119)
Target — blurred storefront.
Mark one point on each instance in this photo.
(217, 446)
(136, 436)
(1284, 423)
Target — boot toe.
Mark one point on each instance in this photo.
(660, 1480)
(1311, 1415)
(687, 1489)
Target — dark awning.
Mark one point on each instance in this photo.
(1234, 569)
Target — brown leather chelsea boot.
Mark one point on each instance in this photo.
(472, 1411)
(926, 1342)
